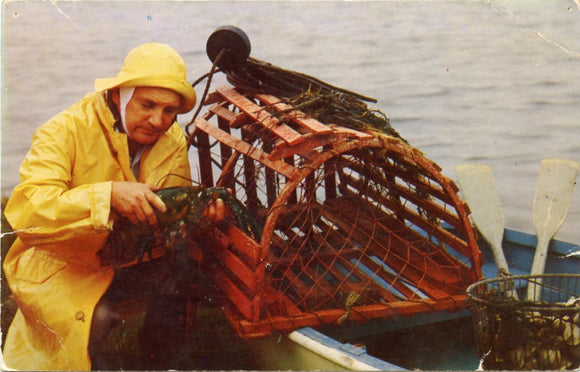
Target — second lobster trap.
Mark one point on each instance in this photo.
(356, 225)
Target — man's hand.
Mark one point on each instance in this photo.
(136, 201)
(216, 210)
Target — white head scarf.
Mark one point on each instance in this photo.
(125, 95)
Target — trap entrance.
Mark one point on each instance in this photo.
(356, 224)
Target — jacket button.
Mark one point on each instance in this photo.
(80, 316)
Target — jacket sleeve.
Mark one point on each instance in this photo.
(44, 208)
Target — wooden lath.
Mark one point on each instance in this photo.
(341, 210)
(261, 116)
(298, 117)
(242, 147)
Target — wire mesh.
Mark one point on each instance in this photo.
(540, 333)
(357, 227)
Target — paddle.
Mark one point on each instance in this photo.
(556, 180)
(478, 186)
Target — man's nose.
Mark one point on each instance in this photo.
(156, 119)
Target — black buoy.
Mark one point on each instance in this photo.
(235, 42)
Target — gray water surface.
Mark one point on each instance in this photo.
(491, 82)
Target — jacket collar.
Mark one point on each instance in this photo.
(117, 142)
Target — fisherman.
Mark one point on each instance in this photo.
(100, 159)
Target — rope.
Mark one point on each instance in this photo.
(322, 101)
(352, 298)
(209, 75)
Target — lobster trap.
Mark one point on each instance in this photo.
(540, 333)
(356, 225)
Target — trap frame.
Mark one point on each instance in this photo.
(356, 225)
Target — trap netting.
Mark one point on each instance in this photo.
(538, 333)
(355, 225)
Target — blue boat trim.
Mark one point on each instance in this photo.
(355, 352)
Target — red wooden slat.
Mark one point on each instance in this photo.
(248, 329)
(280, 129)
(244, 243)
(205, 168)
(246, 306)
(308, 123)
(223, 112)
(245, 148)
(213, 97)
(244, 273)
(283, 150)
(350, 132)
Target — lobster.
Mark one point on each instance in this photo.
(129, 243)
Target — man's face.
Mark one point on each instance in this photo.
(149, 113)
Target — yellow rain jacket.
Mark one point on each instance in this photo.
(61, 212)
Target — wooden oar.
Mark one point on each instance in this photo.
(478, 186)
(554, 190)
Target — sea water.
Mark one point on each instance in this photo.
(491, 82)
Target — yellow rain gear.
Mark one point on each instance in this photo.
(153, 65)
(62, 214)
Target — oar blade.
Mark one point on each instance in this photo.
(478, 186)
(556, 180)
(554, 191)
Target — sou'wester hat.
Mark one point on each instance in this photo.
(153, 65)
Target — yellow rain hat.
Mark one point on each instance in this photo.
(153, 65)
